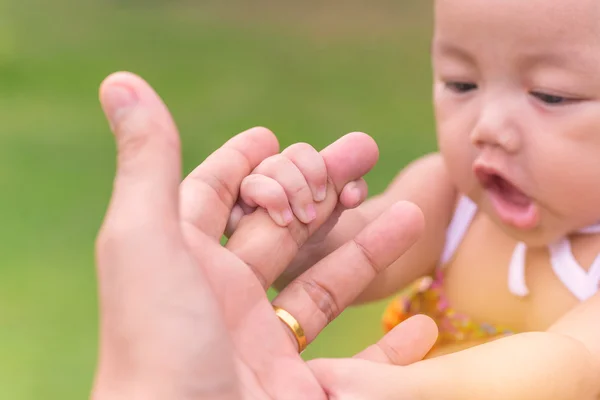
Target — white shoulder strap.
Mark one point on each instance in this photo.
(516, 271)
(583, 284)
(463, 215)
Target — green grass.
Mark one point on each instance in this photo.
(309, 72)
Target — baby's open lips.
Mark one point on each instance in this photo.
(510, 203)
(494, 182)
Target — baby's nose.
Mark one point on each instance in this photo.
(496, 130)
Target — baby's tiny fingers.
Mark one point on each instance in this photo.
(308, 160)
(262, 191)
(407, 343)
(298, 193)
(354, 193)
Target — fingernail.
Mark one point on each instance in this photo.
(321, 193)
(311, 213)
(287, 216)
(118, 100)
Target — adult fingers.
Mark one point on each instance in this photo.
(148, 148)
(320, 294)
(347, 159)
(151, 292)
(210, 191)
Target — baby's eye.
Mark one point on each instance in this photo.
(461, 87)
(551, 99)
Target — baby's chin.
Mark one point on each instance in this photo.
(542, 234)
(536, 231)
(533, 238)
(548, 226)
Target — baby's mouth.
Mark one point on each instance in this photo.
(510, 203)
(495, 183)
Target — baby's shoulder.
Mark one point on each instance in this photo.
(427, 182)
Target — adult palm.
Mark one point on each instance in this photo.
(183, 316)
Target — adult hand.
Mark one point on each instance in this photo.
(182, 317)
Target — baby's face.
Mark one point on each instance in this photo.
(517, 102)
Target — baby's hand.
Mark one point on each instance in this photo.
(290, 184)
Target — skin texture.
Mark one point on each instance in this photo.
(183, 317)
(516, 90)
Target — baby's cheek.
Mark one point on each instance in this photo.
(571, 186)
(581, 193)
(458, 158)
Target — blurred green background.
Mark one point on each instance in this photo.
(310, 71)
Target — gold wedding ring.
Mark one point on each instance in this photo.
(294, 326)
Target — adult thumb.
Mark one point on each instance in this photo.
(148, 151)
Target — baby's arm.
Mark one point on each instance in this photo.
(560, 363)
(426, 183)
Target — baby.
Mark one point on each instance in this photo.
(508, 265)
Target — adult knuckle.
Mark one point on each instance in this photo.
(222, 184)
(239, 156)
(322, 297)
(131, 144)
(136, 136)
(391, 353)
(367, 256)
(219, 186)
(258, 273)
